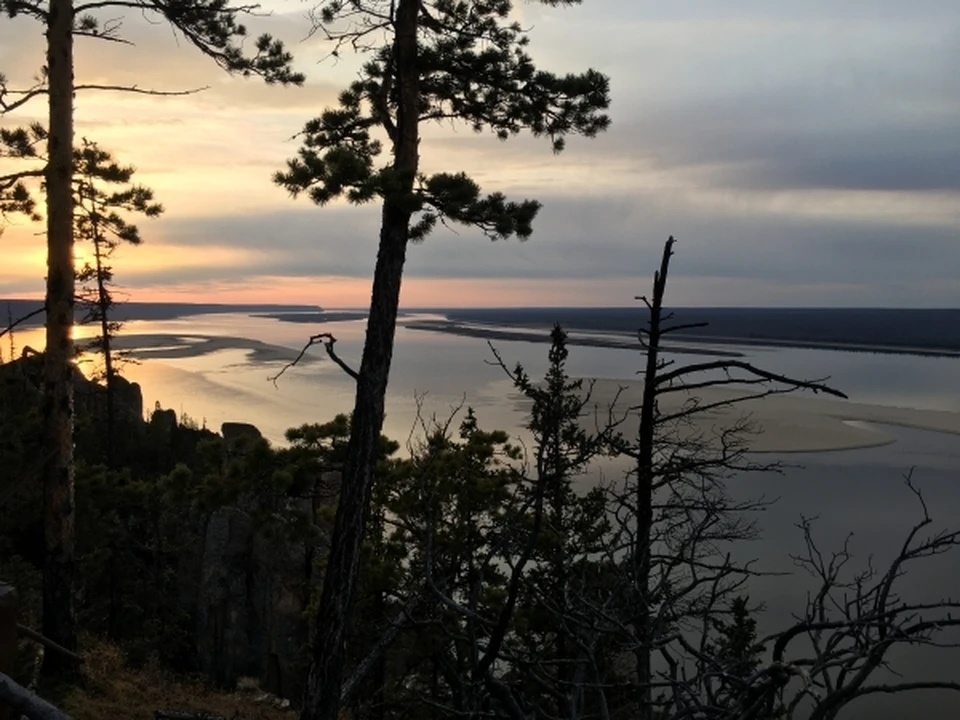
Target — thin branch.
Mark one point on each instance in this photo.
(907, 687)
(28, 95)
(8, 181)
(143, 91)
(727, 365)
(328, 342)
(22, 320)
(355, 682)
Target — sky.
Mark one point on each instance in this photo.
(804, 153)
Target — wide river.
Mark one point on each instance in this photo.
(854, 491)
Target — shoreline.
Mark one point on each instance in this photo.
(693, 344)
(531, 335)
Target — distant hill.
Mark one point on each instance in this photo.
(16, 309)
(871, 329)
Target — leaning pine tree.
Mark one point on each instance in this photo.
(439, 60)
(214, 27)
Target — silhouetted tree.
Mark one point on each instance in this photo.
(438, 61)
(98, 221)
(212, 26)
(673, 508)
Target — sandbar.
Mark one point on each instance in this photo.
(163, 346)
(796, 422)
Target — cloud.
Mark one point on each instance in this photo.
(803, 153)
(590, 239)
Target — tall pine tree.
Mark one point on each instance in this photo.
(439, 60)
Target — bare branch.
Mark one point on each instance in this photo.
(727, 365)
(352, 685)
(27, 95)
(8, 181)
(328, 342)
(22, 320)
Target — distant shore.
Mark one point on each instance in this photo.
(317, 318)
(543, 336)
(698, 344)
(932, 332)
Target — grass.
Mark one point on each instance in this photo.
(112, 690)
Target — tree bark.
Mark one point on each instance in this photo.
(644, 499)
(58, 610)
(322, 698)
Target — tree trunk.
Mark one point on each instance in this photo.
(104, 302)
(322, 698)
(646, 437)
(58, 611)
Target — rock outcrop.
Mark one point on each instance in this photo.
(254, 592)
(232, 431)
(224, 610)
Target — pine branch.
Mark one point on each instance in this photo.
(110, 3)
(102, 35)
(8, 181)
(30, 7)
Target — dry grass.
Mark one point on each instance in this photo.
(111, 690)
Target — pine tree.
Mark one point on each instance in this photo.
(213, 27)
(97, 220)
(440, 60)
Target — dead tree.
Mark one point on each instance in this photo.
(677, 484)
(854, 620)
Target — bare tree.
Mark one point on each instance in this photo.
(852, 623)
(676, 573)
